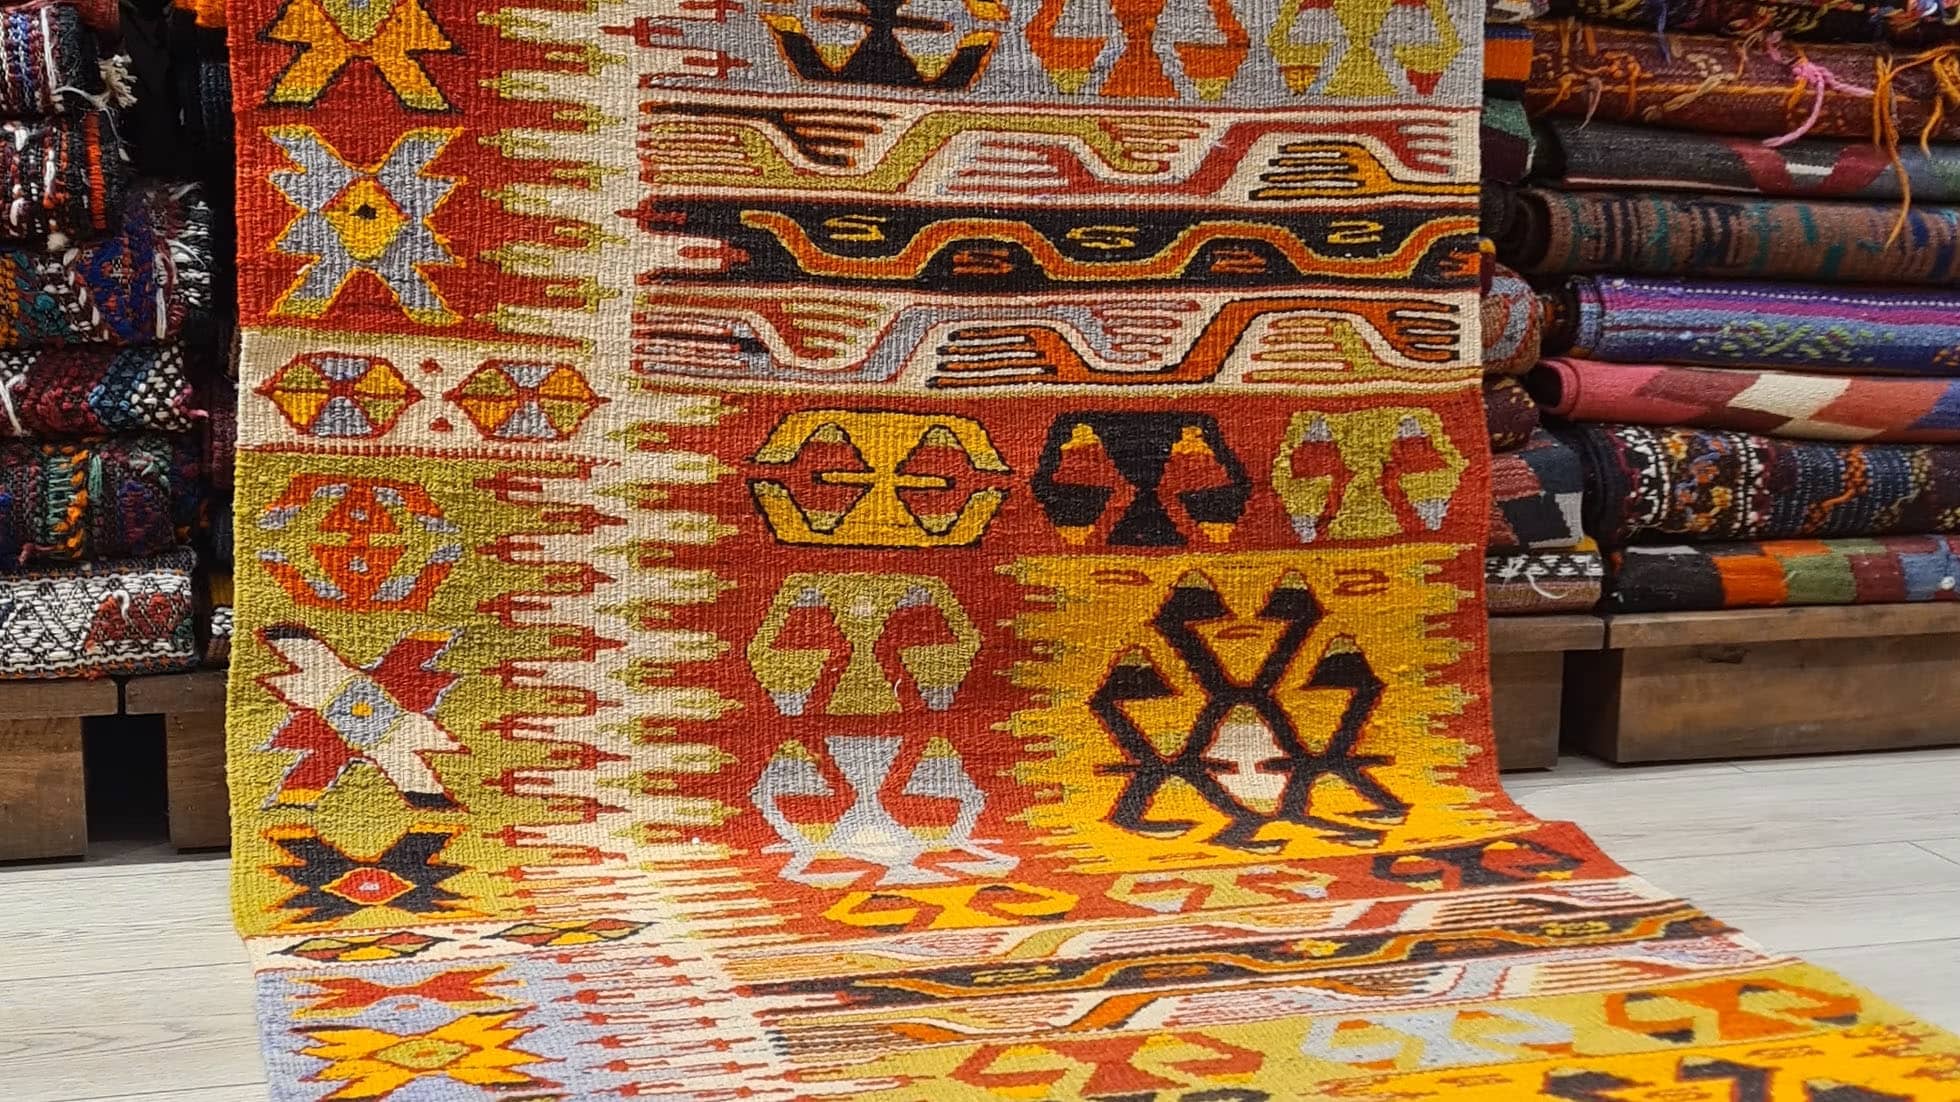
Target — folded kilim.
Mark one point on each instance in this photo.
(1546, 232)
(1774, 403)
(108, 499)
(97, 618)
(1716, 323)
(1739, 86)
(1891, 570)
(909, 552)
(103, 15)
(1537, 495)
(1574, 153)
(1513, 324)
(1509, 411)
(1540, 582)
(218, 621)
(147, 283)
(1646, 484)
(96, 390)
(218, 535)
(49, 64)
(64, 175)
(1902, 21)
(1505, 135)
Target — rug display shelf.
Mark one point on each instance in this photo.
(1527, 682)
(1742, 683)
(43, 797)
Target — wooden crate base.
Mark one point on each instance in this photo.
(43, 800)
(193, 710)
(1762, 682)
(1527, 677)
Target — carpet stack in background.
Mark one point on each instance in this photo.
(103, 324)
(1538, 559)
(1744, 216)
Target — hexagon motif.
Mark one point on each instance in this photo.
(517, 401)
(341, 397)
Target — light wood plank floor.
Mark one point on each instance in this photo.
(121, 978)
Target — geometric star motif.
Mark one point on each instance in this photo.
(332, 33)
(332, 885)
(358, 544)
(340, 716)
(363, 219)
(509, 400)
(473, 1050)
(346, 397)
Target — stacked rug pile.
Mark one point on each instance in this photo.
(1538, 560)
(107, 284)
(1745, 217)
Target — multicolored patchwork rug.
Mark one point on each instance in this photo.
(893, 551)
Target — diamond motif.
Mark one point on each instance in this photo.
(345, 397)
(356, 948)
(570, 932)
(367, 219)
(513, 400)
(369, 887)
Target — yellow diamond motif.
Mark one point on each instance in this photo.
(366, 219)
(423, 1053)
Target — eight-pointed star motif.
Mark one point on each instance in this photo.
(363, 219)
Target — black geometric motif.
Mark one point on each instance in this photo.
(1134, 678)
(1478, 865)
(405, 876)
(1141, 448)
(880, 58)
(1746, 1083)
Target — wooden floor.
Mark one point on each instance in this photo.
(122, 979)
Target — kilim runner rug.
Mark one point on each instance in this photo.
(881, 550)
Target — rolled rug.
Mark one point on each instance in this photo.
(1506, 139)
(92, 619)
(65, 177)
(1575, 153)
(217, 529)
(217, 620)
(1738, 86)
(1647, 485)
(1514, 11)
(149, 282)
(1537, 494)
(1509, 411)
(1513, 323)
(1888, 570)
(221, 431)
(122, 497)
(1547, 232)
(1541, 582)
(1831, 20)
(49, 63)
(1872, 408)
(1717, 323)
(96, 390)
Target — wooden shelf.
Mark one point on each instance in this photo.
(1739, 626)
(170, 693)
(69, 699)
(1539, 634)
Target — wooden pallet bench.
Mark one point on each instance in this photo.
(1741, 683)
(43, 793)
(1527, 682)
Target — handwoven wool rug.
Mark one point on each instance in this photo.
(1586, 153)
(91, 619)
(1888, 570)
(1742, 86)
(1903, 21)
(1540, 582)
(1510, 413)
(1876, 408)
(904, 552)
(1729, 323)
(1548, 232)
(1647, 484)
